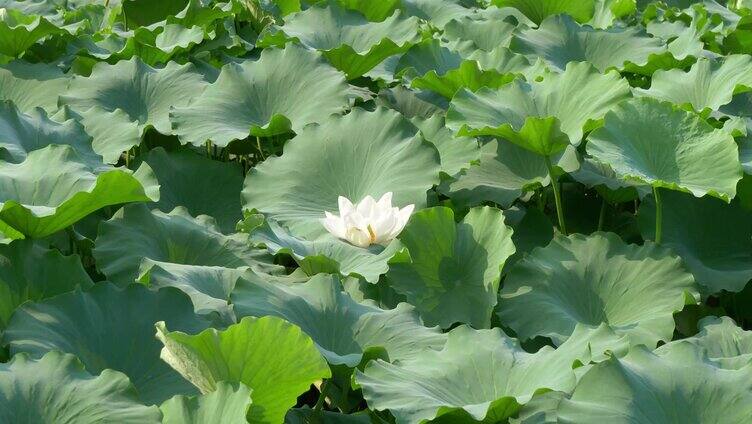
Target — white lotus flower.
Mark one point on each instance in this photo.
(367, 222)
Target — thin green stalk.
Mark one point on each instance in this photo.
(261, 151)
(658, 215)
(322, 396)
(208, 148)
(602, 215)
(557, 195)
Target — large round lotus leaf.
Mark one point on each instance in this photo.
(22, 133)
(29, 271)
(709, 84)
(32, 85)
(348, 40)
(479, 376)
(592, 280)
(712, 238)
(456, 153)
(55, 187)
(227, 405)
(216, 193)
(652, 142)
(543, 116)
(466, 33)
(18, 31)
(722, 341)
(451, 272)
(560, 40)
(643, 388)
(504, 173)
(56, 389)
(146, 94)
(264, 98)
(538, 10)
(112, 133)
(341, 327)
(327, 253)
(135, 234)
(356, 155)
(109, 328)
(274, 358)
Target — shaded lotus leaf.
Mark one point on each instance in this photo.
(29, 271)
(450, 271)
(55, 187)
(216, 193)
(249, 98)
(708, 85)
(341, 327)
(18, 31)
(22, 133)
(307, 415)
(109, 328)
(560, 40)
(356, 155)
(651, 142)
(542, 116)
(599, 175)
(486, 383)
(32, 85)
(592, 280)
(723, 342)
(145, 12)
(456, 153)
(467, 33)
(606, 12)
(228, 405)
(144, 93)
(412, 103)
(346, 38)
(56, 389)
(645, 388)
(437, 12)
(539, 10)
(274, 358)
(327, 254)
(505, 172)
(134, 234)
(712, 238)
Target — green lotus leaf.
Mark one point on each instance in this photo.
(22, 133)
(175, 37)
(598, 174)
(346, 38)
(327, 252)
(18, 31)
(228, 405)
(645, 388)
(712, 238)
(248, 98)
(539, 10)
(28, 271)
(544, 116)
(606, 12)
(274, 358)
(109, 328)
(32, 85)
(307, 415)
(592, 280)
(146, 94)
(216, 193)
(412, 103)
(437, 12)
(560, 40)
(651, 142)
(708, 85)
(505, 172)
(145, 12)
(485, 383)
(56, 389)
(456, 153)
(135, 234)
(356, 155)
(468, 33)
(112, 133)
(341, 327)
(55, 187)
(430, 66)
(451, 272)
(722, 341)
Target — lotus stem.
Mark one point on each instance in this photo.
(322, 396)
(602, 215)
(658, 215)
(557, 195)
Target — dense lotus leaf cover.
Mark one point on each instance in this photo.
(375, 212)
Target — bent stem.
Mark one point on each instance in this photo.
(322, 396)
(658, 215)
(557, 195)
